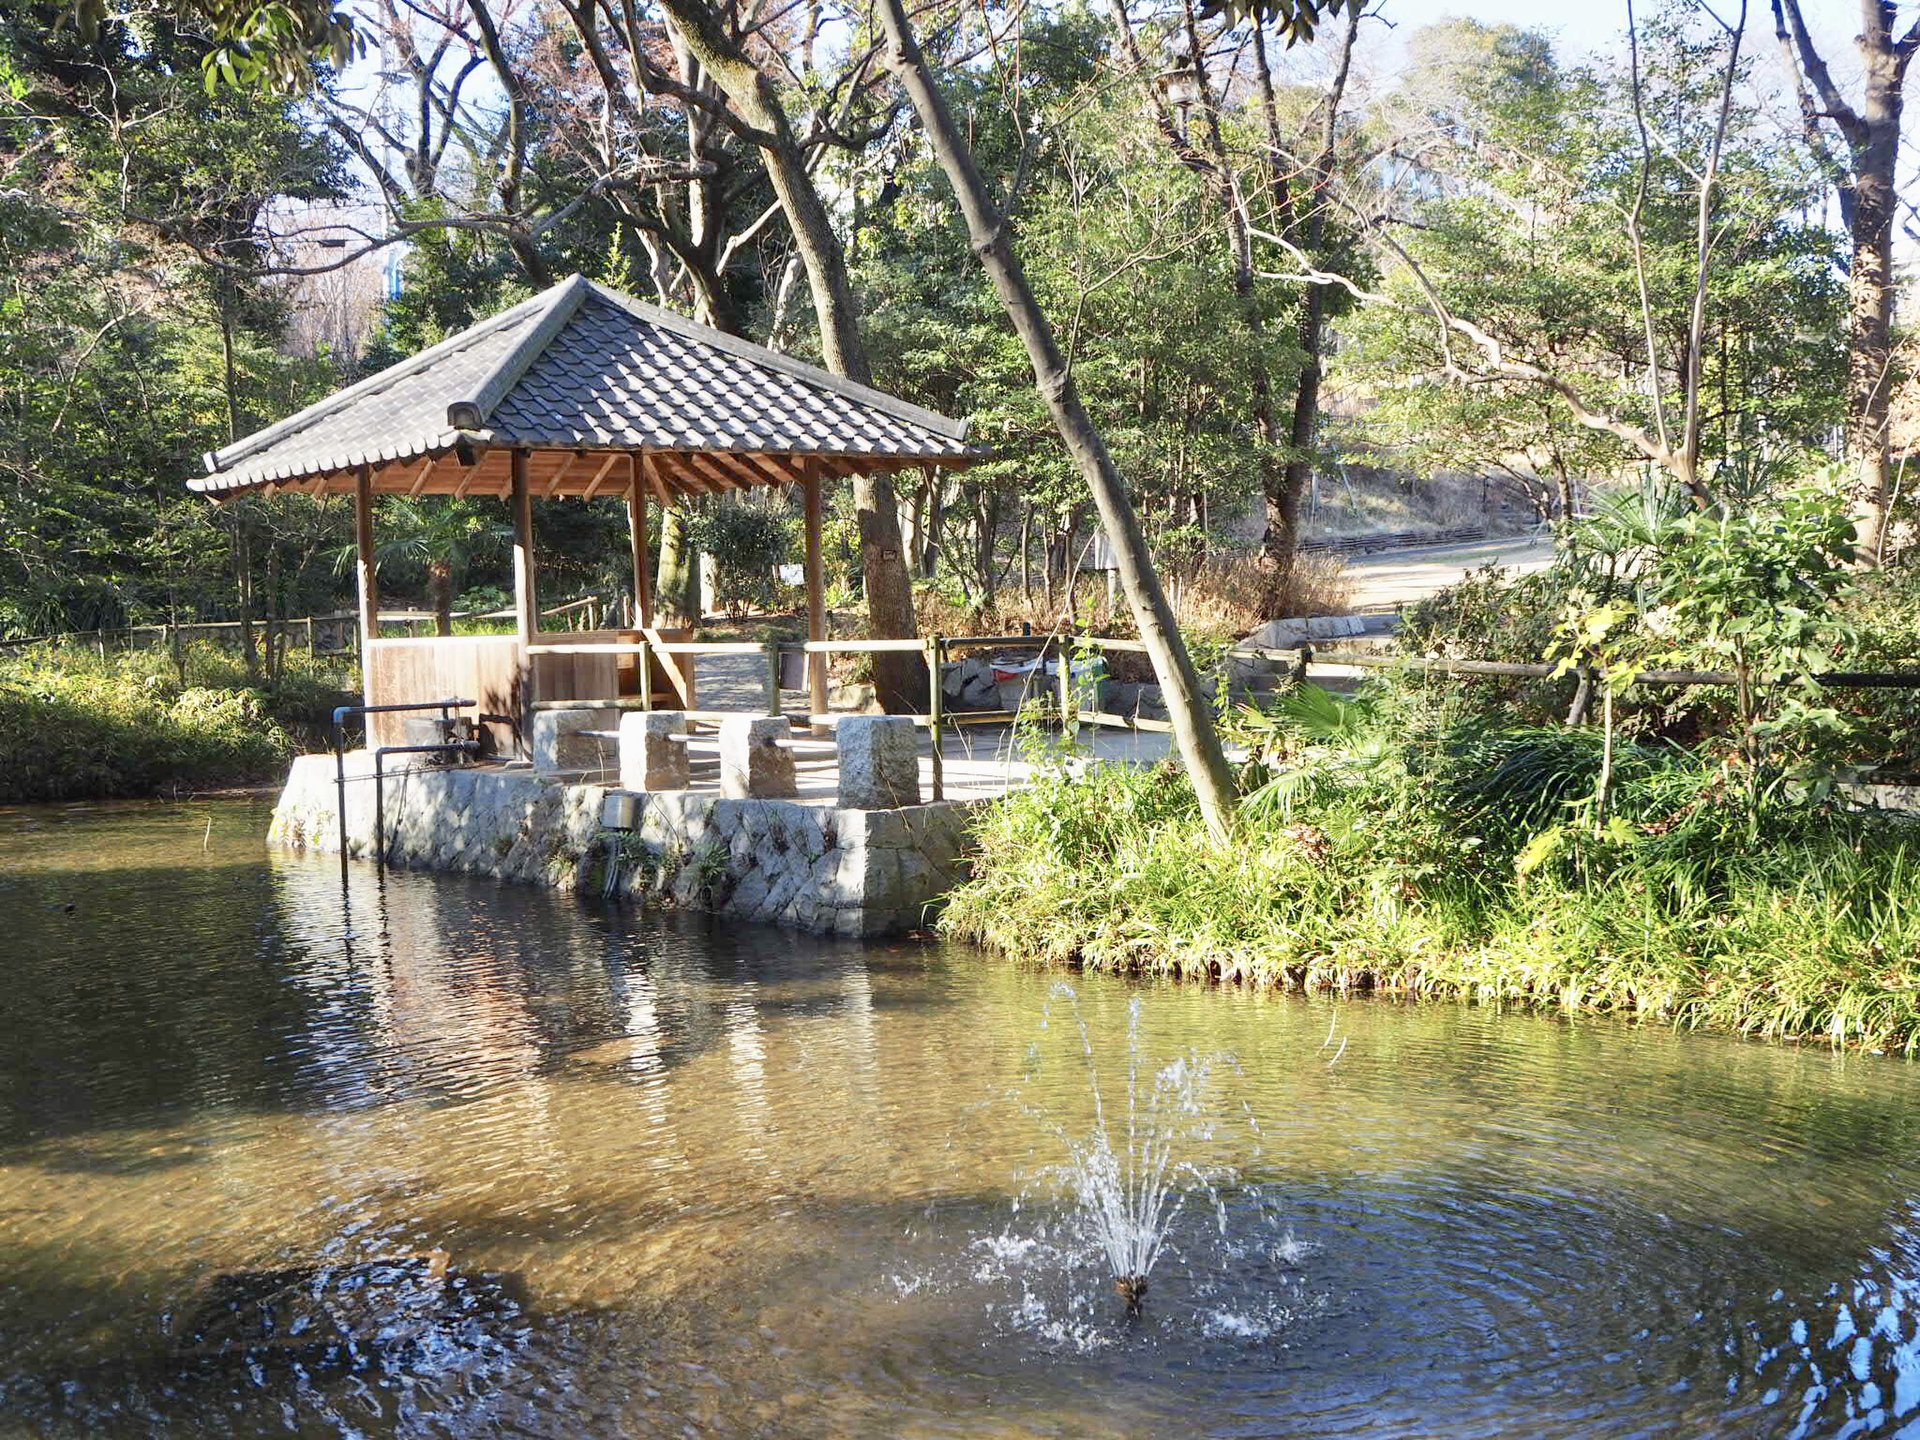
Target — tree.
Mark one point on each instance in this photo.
(1285, 443)
(1625, 242)
(1198, 742)
(129, 345)
(1869, 200)
(1123, 245)
(444, 537)
(761, 114)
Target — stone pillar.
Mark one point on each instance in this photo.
(650, 758)
(561, 742)
(879, 762)
(752, 766)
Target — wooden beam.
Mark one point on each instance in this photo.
(678, 472)
(600, 475)
(711, 467)
(816, 590)
(650, 472)
(369, 584)
(637, 535)
(776, 470)
(566, 469)
(420, 480)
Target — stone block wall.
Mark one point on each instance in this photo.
(813, 867)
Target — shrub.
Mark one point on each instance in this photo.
(73, 725)
(747, 543)
(1450, 860)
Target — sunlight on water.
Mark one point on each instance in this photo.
(690, 1178)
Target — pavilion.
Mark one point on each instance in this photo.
(583, 392)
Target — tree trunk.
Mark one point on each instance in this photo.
(1283, 510)
(440, 595)
(899, 678)
(1026, 553)
(1869, 203)
(1198, 743)
(1215, 166)
(276, 618)
(679, 572)
(1870, 297)
(936, 524)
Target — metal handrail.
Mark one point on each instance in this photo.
(450, 747)
(340, 714)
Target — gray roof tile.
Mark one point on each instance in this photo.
(584, 367)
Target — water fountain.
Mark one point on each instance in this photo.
(1127, 1174)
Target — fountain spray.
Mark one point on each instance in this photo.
(1130, 1187)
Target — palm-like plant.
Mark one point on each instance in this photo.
(444, 536)
(1314, 742)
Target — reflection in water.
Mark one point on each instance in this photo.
(745, 1182)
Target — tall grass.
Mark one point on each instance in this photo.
(75, 725)
(1223, 597)
(1422, 870)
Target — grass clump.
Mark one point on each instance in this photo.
(74, 724)
(1382, 847)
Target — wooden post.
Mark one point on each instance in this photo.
(816, 588)
(936, 709)
(369, 584)
(526, 602)
(637, 534)
(1069, 704)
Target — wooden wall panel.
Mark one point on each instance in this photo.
(484, 668)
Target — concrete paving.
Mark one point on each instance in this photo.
(978, 760)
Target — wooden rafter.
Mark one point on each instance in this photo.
(650, 472)
(600, 475)
(712, 469)
(566, 469)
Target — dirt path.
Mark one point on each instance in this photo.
(1382, 582)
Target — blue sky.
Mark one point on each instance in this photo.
(1577, 27)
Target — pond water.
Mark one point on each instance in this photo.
(702, 1179)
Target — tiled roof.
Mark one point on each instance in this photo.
(581, 368)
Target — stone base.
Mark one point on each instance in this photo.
(879, 762)
(574, 741)
(754, 765)
(813, 867)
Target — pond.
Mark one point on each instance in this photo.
(694, 1178)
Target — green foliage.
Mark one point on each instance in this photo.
(1755, 592)
(120, 180)
(1528, 194)
(73, 725)
(1443, 862)
(747, 541)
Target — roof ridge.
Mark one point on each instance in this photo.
(562, 302)
(225, 458)
(906, 410)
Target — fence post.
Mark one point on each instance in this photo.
(771, 650)
(1069, 707)
(936, 706)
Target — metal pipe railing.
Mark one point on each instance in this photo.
(449, 747)
(340, 714)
